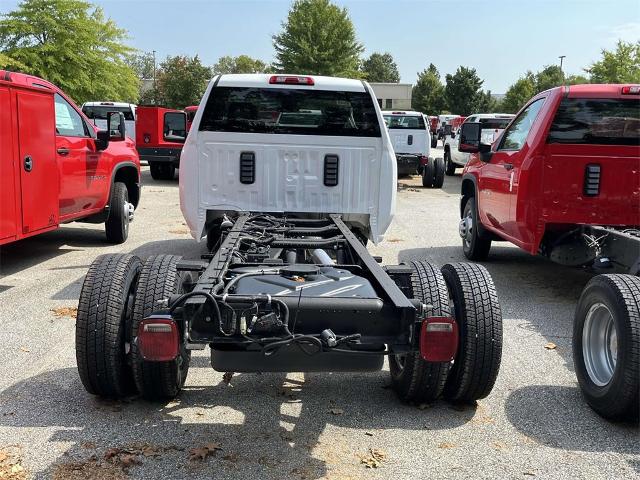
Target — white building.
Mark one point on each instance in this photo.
(393, 96)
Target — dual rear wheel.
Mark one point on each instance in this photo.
(433, 173)
(466, 292)
(119, 291)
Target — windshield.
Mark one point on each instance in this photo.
(596, 121)
(290, 111)
(494, 123)
(404, 122)
(99, 112)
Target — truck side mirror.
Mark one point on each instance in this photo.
(470, 137)
(102, 140)
(116, 126)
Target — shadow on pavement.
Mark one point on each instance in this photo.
(558, 417)
(246, 419)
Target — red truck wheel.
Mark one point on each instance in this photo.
(158, 280)
(120, 214)
(104, 312)
(479, 318)
(606, 345)
(473, 246)
(413, 378)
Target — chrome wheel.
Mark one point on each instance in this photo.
(600, 344)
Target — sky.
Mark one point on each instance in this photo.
(501, 39)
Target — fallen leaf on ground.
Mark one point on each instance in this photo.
(369, 434)
(89, 469)
(201, 453)
(394, 240)
(374, 458)
(336, 411)
(88, 445)
(529, 473)
(550, 346)
(447, 445)
(24, 349)
(10, 466)
(70, 312)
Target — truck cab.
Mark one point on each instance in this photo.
(563, 181)
(160, 136)
(57, 167)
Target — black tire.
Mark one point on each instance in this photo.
(157, 380)
(434, 141)
(413, 378)
(117, 225)
(473, 245)
(479, 318)
(617, 398)
(450, 167)
(428, 172)
(162, 171)
(438, 175)
(104, 315)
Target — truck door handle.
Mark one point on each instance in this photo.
(63, 151)
(508, 166)
(28, 163)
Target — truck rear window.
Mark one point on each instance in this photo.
(596, 121)
(494, 123)
(412, 122)
(99, 112)
(290, 111)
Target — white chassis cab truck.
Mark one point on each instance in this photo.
(288, 177)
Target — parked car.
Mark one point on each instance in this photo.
(492, 125)
(160, 135)
(57, 167)
(287, 205)
(563, 181)
(97, 113)
(409, 135)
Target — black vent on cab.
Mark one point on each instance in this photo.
(247, 167)
(592, 180)
(331, 167)
(410, 140)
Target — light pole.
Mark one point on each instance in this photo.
(561, 57)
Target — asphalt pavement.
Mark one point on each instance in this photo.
(534, 424)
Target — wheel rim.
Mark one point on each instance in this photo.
(600, 344)
(466, 228)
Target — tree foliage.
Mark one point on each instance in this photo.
(522, 90)
(619, 66)
(72, 44)
(181, 81)
(240, 64)
(143, 64)
(428, 92)
(463, 91)
(319, 38)
(381, 67)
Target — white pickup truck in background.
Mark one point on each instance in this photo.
(97, 113)
(493, 124)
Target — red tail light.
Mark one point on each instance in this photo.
(158, 339)
(631, 90)
(291, 80)
(439, 339)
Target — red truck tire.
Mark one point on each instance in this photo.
(606, 345)
(473, 245)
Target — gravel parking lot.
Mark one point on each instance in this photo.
(339, 426)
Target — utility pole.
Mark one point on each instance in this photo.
(561, 57)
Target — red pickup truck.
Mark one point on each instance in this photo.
(57, 167)
(563, 181)
(160, 136)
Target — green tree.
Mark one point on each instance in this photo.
(463, 91)
(319, 38)
(381, 67)
(486, 103)
(428, 93)
(576, 79)
(519, 93)
(72, 44)
(143, 64)
(181, 81)
(619, 66)
(549, 77)
(240, 64)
